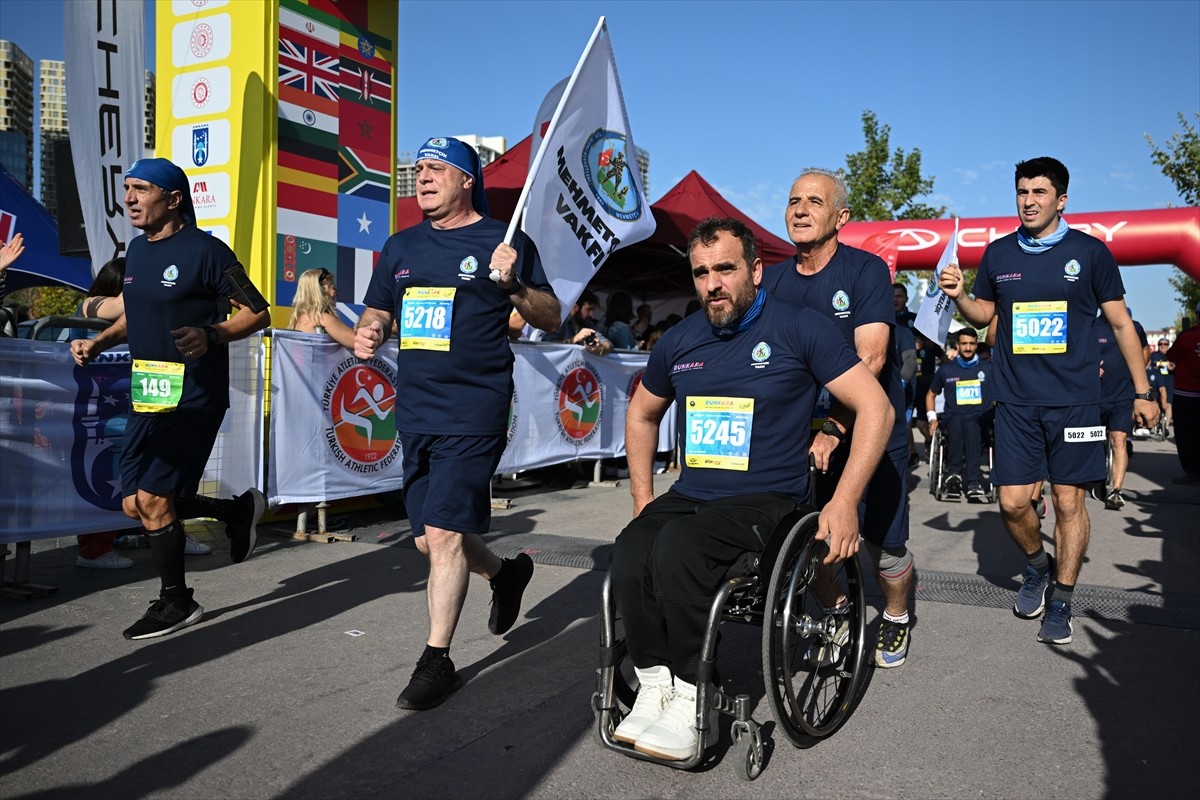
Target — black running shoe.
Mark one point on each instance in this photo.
(242, 530)
(432, 682)
(165, 616)
(507, 588)
(976, 494)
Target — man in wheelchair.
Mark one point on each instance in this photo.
(745, 376)
(964, 383)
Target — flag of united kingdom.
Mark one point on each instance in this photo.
(302, 64)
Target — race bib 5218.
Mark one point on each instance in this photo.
(426, 318)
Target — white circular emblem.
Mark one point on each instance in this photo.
(171, 273)
(841, 300)
(437, 142)
(981, 375)
(200, 92)
(1072, 267)
(468, 265)
(202, 40)
(310, 117)
(761, 352)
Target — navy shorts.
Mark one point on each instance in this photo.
(883, 512)
(165, 454)
(448, 479)
(1062, 443)
(1117, 415)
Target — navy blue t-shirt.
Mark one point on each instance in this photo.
(1159, 362)
(853, 289)
(1116, 383)
(1045, 352)
(454, 370)
(172, 283)
(739, 397)
(965, 386)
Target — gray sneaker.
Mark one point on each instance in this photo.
(1056, 626)
(1114, 501)
(1031, 597)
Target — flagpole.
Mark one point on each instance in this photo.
(536, 164)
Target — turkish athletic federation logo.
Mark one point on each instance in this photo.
(608, 172)
(360, 401)
(579, 396)
(512, 417)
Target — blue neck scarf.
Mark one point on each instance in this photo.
(967, 364)
(748, 319)
(1035, 246)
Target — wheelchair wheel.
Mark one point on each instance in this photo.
(625, 682)
(813, 662)
(935, 464)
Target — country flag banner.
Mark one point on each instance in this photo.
(301, 18)
(308, 64)
(584, 191)
(937, 310)
(362, 223)
(365, 129)
(363, 84)
(363, 175)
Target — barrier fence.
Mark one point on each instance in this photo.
(328, 423)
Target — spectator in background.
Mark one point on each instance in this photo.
(573, 330)
(617, 317)
(1185, 355)
(642, 325)
(900, 304)
(1159, 362)
(9, 252)
(313, 309)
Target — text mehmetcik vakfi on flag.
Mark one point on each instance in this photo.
(583, 198)
(937, 310)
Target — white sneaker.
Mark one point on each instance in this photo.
(1141, 431)
(673, 737)
(109, 560)
(195, 547)
(656, 691)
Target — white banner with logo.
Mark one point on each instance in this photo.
(61, 428)
(333, 432)
(105, 45)
(333, 422)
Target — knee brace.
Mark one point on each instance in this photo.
(892, 563)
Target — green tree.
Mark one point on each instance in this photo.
(1179, 160)
(885, 184)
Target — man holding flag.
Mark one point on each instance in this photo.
(1044, 283)
(454, 371)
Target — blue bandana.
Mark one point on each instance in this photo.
(460, 155)
(167, 176)
(1035, 246)
(748, 319)
(968, 364)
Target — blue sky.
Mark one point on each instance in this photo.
(749, 93)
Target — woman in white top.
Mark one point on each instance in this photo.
(312, 310)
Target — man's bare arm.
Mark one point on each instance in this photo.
(645, 413)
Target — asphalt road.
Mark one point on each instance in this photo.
(286, 688)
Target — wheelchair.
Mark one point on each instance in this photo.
(814, 664)
(937, 466)
(1159, 432)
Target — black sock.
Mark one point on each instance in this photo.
(1063, 592)
(200, 506)
(1040, 561)
(498, 578)
(435, 652)
(166, 545)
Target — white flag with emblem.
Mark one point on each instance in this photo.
(584, 190)
(937, 310)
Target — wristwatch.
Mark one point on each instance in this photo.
(1149, 394)
(516, 286)
(211, 334)
(831, 429)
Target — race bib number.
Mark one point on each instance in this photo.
(1039, 327)
(968, 393)
(821, 409)
(1095, 434)
(718, 432)
(426, 318)
(156, 386)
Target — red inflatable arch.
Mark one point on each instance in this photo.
(1162, 236)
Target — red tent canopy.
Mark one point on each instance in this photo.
(692, 199)
(655, 266)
